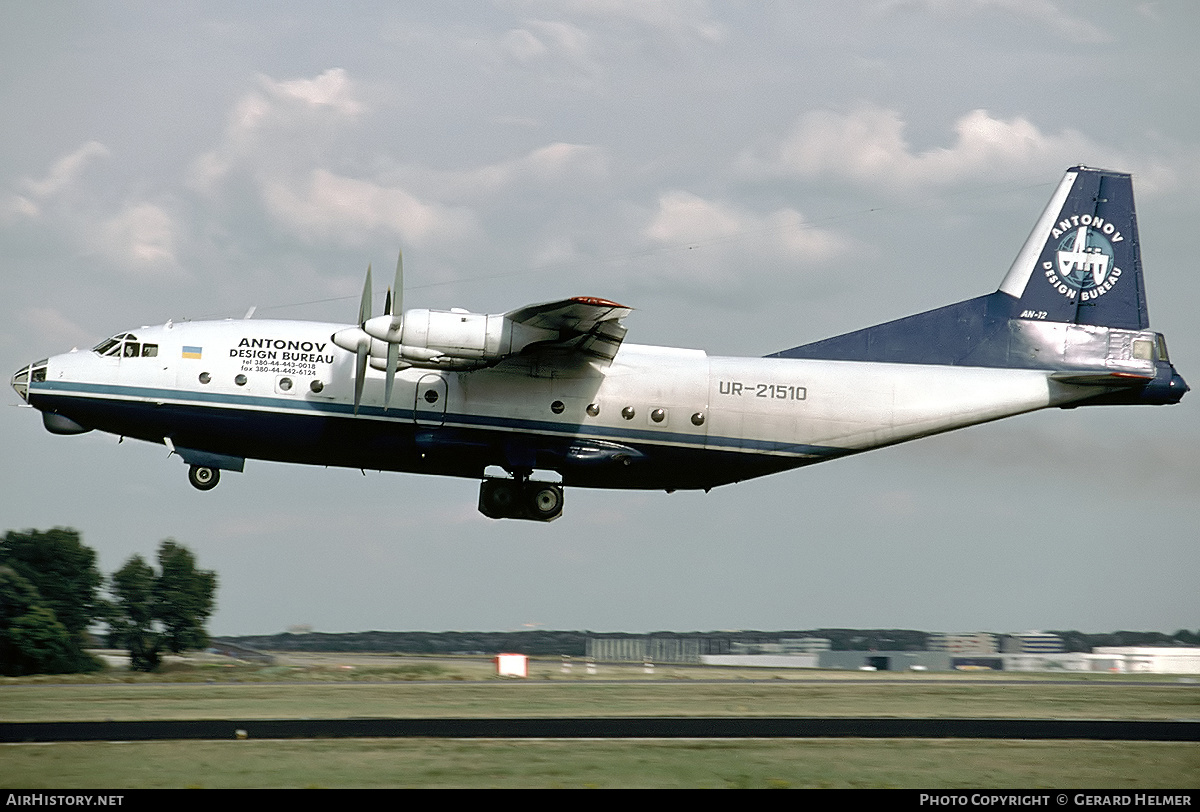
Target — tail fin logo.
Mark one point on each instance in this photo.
(1084, 261)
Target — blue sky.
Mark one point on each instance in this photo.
(747, 176)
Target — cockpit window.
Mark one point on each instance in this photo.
(125, 345)
(104, 346)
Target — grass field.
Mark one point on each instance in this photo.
(378, 688)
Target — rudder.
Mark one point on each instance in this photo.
(1081, 264)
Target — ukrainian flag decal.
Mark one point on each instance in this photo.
(192, 352)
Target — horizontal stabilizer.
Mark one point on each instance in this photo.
(1101, 378)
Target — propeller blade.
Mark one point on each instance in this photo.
(363, 351)
(393, 361)
(364, 308)
(360, 370)
(397, 312)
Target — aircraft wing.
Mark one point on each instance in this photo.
(585, 325)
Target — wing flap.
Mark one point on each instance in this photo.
(585, 325)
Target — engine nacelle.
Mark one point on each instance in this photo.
(446, 339)
(447, 332)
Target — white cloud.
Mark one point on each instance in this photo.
(869, 147)
(731, 237)
(280, 125)
(285, 142)
(66, 170)
(556, 165)
(678, 18)
(332, 89)
(326, 206)
(546, 39)
(1042, 12)
(51, 328)
(62, 179)
(140, 240)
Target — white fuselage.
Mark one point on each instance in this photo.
(655, 417)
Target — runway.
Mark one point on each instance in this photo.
(723, 727)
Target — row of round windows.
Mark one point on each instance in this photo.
(657, 415)
(285, 384)
(558, 407)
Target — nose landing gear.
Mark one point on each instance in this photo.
(203, 478)
(501, 498)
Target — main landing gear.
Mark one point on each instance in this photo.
(203, 478)
(501, 498)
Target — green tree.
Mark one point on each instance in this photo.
(153, 612)
(50, 598)
(63, 571)
(131, 621)
(45, 642)
(32, 641)
(184, 597)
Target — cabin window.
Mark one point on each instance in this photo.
(593, 409)
(240, 380)
(205, 377)
(285, 384)
(658, 415)
(628, 413)
(316, 386)
(557, 407)
(698, 419)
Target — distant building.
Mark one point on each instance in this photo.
(805, 645)
(963, 643)
(786, 646)
(640, 648)
(1147, 659)
(886, 660)
(1033, 643)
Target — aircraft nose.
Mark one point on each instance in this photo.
(20, 381)
(31, 373)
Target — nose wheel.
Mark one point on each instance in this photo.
(501, 498)
(203, 478)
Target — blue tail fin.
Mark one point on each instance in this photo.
(1073, 302)
(1081, 263)
(1080, 266)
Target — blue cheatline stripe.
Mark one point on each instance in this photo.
(452, 419)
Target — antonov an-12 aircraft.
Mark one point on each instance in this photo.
(554, 387)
